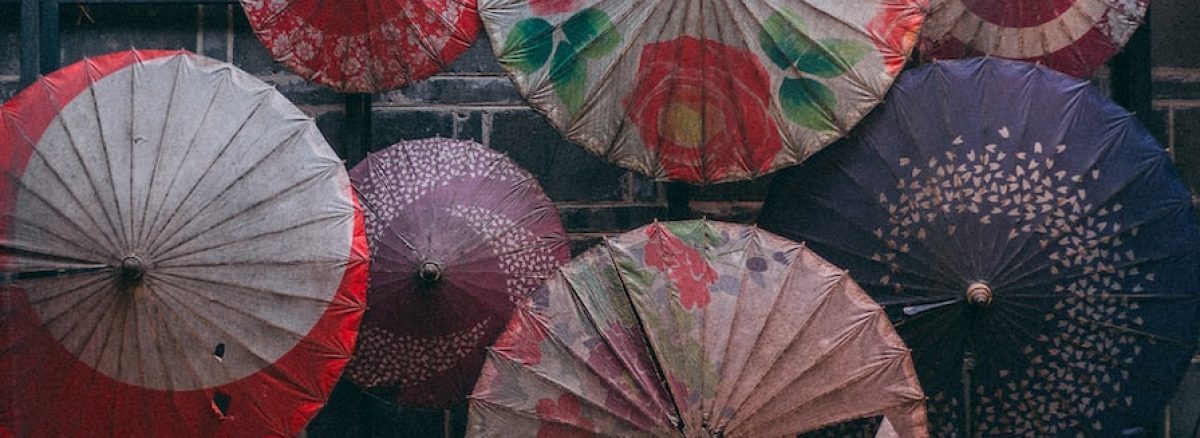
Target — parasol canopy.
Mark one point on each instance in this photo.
(1071, 36)
(364, 47)
(703, 91)
(1028, 237)
(695, 328)
(181, 253)
(458, 234)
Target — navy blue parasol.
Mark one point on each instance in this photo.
(1029, 238)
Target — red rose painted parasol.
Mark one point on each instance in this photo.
(182, 254)
(697, 329)
(1071, 36)
(458, 233)
(703, 91)
(364, 47)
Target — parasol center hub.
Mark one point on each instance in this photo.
(979, 294)
(132, 269)
(430, 272)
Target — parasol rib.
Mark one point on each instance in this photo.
(110, 239)
(577, 297)
(533, 416)
(1015, 274)
(78, 207)
(735, 374)
(755, 427)
(93, 78)
(853, 330)
(165, 258)
(177, 236)
(153, 244)
(654, 357)
(597, 406)
(94, 185)
(743, 397)
(183, 161)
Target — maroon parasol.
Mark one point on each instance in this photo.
(459, 233)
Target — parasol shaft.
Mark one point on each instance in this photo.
(968, 364)
(13, 277)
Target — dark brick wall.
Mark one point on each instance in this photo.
(475, 100)
(10, 58)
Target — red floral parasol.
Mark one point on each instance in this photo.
(703, 92)
(361, 47)
(697, 329)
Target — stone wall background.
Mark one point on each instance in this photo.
(475, 100)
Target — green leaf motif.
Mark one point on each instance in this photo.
(783, 38)
(592, 33)
(808, 103)
(529, 44)
(832, 58)
(568, 73)
(785, 42)
(697, 234)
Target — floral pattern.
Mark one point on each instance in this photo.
(683, 264)
(895, 29)
(409, 192)
(587, 34)
(759, 86)
(627, 356)
(702, 108)
(624, 342)
(807, 64)
(522, 339)
(566, 418)
(1071, 363)
(345, 50)
(384, 358)
(1039, 256)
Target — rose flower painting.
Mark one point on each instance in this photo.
(702, 92)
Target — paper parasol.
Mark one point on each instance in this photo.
(1029, 238)
(182, 251)
(695, 328)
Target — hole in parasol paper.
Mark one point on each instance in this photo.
(132, 270)
(430, 272)
(220, 402)
(979, 294)
(219, 352)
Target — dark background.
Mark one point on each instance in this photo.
(476, 100)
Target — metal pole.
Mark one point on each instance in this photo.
(356, 131)
(1133, 76)
(30, 18)
(48, 48)
(678, 197)
(968, 364)
(1133, 88)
